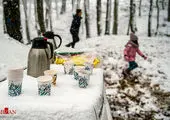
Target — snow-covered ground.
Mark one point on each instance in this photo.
(128, 99)
(141, 97)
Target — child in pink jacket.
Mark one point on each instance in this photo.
(131, 48)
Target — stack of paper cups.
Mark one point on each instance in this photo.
(15, 77)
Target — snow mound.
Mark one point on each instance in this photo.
(12, 53)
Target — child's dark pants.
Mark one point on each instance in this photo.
(132, 65)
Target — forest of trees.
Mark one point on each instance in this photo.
(42, 11)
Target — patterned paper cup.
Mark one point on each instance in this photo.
(15, 78)
(83, 79)
(77, 70)
(68, 68)
(53, 74)
(88, 67)
(44, 85)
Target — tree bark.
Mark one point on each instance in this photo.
(140, 3)
(12, 19)
(36, 18)
(26, 21)
(99, 7)
(163, 4)
(40, 13)
(63, 7)
(48, 16)
(4, 25)
(157, 26)
(134, 15)
(115, 23)
(108, 17)
(149, 19)
(169, 11)
(132, 20)
(87, 18)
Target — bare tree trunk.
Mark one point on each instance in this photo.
(26, 21)
(132, 20)
(40, 13)
(12, 19)
(99, 7)
(78, 4)
(169, 11)
(48, 16)
(128, 28)
(36, 18)
(134, 15)
(56, 7)
(4, 26)
(163, 4)
(63, 7)
(149, 19)
(87, 18)
(108, 17)
(140, 3)
(30, 5)
(115, 23)
(157, 26)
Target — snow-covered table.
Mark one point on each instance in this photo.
(67, 100)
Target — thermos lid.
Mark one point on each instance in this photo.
(39, 43)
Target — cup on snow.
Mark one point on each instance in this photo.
(44, 85)
(83, 78)
(88, 67)
(53, 74)
(77, 70)
(69, 67)
(15, 78)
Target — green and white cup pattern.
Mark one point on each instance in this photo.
(83, 79)
(44, 89)
(89, 67)
(14, 88)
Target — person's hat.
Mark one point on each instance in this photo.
(133, 37)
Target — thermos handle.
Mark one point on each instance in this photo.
(59, 39)
(51, 48)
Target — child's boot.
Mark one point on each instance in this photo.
(126, 73)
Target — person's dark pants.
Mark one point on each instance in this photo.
(132, 65)
(75, 39)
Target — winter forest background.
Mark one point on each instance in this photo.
(105, 27)
(24, 19)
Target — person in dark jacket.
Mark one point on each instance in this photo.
(74, 30)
